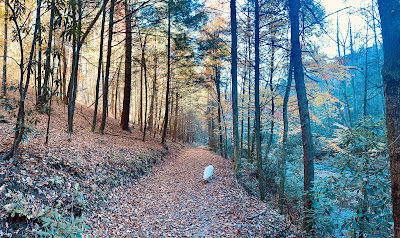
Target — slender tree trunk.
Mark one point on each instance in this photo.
(165, 127)
(249, 150)
(64, 70)
(99, 67)
(23, 89)
(43, 98)
(4, 82)
(128, 68)
(282, 174)
(176, 116)
(378, 63)
(145, 87)
(77, 41)
(355, 111)
(153, 109)
(302, 101)
(141, 94)
(225, 123)
(390, 20)
(234, 87)
(76, 38)
(39, 67)
(257, 100)
(107, 69)
(271, 88)
(218, 88)
(366, 74)
(116, 102)
(242, 114)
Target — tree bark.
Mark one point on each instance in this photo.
(77, 41)
(128, 68)
(257, 100)
(165, 127)
(366, 73)
(43, 97)
(107, 69)
(302, 101)
(153, 108)
(390, 20)
(271, 88)
(99, 67)
(176, 116)
(217, 86)
(282, 174)
(4, 82)
(145, 86)
(234, 87)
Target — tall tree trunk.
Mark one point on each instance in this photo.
(116, 102)
(302, 101)
(64, 70)
(23, 89)
(107, 69)
(342, 62)
(39, 67)
(282, 175)
(378, 63)
(43, 98)
(77, 41)
(355, 110)
(153, 109)
(99, 67)
(218, 88)
(390, 20)
(165, 127)
(141, 92)
(249, 154)
(76, 38)
(145, 87)
(242, 113)
(176, 116)
(234, 87)
(128, 68)
(257, 100)
(366, 73)
(271, 88)
(4, 82)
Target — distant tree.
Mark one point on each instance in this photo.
(181, 14)
(390, 21)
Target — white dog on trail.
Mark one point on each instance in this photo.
(208, 171)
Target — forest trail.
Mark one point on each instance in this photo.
(174, 201)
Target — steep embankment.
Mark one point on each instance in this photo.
(72, 174)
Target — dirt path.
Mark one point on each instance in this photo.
(174, 202)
